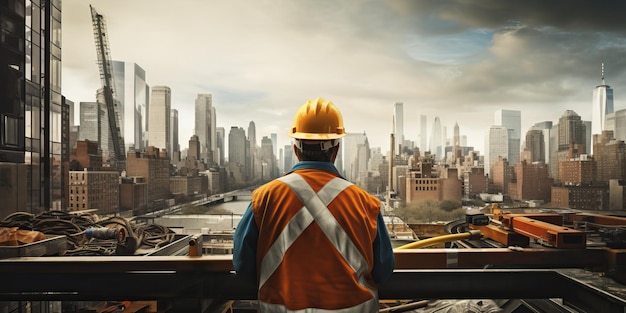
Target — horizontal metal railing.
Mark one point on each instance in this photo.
(419, 274)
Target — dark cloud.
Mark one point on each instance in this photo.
(572, 15)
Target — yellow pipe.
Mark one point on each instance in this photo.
(473, 234)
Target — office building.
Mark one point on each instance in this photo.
(160, 106)
(398, 130)
(532, 182)
(602, 105)
(512, 120)
(132, 92)
(33, 113)
(436, 147)
(423, 134)
(220, 135)
(535, 146)
(175, 153)
(154, 166)
(355, 156)
(94, 190)
(238, 154)
(616, 122)
(496, 146)
(205, 127)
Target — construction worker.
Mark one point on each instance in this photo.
(312, 240)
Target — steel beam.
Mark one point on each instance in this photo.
(505, 237)
(548, 234)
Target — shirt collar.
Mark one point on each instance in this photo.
(315, 165)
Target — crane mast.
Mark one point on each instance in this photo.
(106, 77)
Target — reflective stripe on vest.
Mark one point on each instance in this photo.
(315, 209)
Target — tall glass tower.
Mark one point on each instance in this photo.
(436, 140)
(399, 126)
(33, 115)
(205, 126)
(512, 120)
(131, 91)
(602, 105)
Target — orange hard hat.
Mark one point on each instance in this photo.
(318, 120)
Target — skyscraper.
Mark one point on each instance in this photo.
(160, 106)
(497, 145)
(205, 126)
(535, 145)
(456, 142)
(436, 142)
(512, 120)
(602, 105)
(274, 138)
(220, 134)
(423, 135)
(355, 155)
(131, 91)
(252, 134)
(175, 153)
(399, 126)
(32, 109)
(91, 119)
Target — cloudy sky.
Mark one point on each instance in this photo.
(457, 60)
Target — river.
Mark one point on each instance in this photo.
(236, 207)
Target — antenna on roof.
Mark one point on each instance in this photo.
(603, 74)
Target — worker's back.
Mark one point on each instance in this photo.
(328, 265)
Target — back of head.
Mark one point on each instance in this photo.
(317, 127)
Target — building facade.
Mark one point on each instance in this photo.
(94, 190)
(512, 120)
(602, 105)
(153, 165)
(132, 93)
(205, 127)
(159, 118)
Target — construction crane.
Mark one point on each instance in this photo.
(106, 76)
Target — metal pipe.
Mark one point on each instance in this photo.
(472, 234)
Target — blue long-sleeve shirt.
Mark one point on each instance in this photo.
(247, 234)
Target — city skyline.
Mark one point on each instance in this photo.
(458, 61)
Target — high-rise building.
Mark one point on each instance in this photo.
(512, 120)
(546, 128)
(252, 134)
(32, 113)
(423, 135)
(205, 126)
(175, 153)
(220, 134)
(237, 146)
(567, 140)
(356, 153)
(274, 138)
(436, 141)
(602, 105)
(456, 142)
(160, 106)
(398, 130)
(268, 160)
(194, 148)
(535, 146)
(153, 165)
(238, 154)
(91, 119)
(616, 122)
(571, 131)
(496, 146)
(131, 91)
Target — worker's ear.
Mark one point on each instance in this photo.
(334, 156)
(296, 152)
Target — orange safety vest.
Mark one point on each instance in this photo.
(314, 253)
